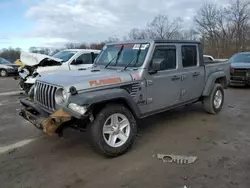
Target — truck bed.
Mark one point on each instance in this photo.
(217, 66)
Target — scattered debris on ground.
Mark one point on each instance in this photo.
(179, 159)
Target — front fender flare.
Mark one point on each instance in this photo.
(95, 97)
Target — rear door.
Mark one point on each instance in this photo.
(84, 60)
(193, 73)
(163, 87)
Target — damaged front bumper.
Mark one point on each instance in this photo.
(49, 123)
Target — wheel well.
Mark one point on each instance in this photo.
(222, 81)
(96, 108)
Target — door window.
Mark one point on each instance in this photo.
(189, 56)
(85, 58)
(168, 55)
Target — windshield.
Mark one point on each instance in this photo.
(64, 55)
(128, 53)
(240, 58)
(4, 61)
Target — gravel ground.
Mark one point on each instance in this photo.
(28, 158)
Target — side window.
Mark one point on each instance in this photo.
(189, 56)
(168, 54)
(85, 58)
(95, 55)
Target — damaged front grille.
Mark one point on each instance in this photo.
(45, 96)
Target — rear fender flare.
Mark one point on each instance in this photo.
(211, 81)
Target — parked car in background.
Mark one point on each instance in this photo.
(240, 69)
(7, 68)
(128, 81)
(36, 65)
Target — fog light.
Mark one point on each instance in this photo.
(79, 109)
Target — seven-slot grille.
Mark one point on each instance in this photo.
(45, 95)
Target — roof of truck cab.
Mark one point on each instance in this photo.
(82, 50)
(176, 41)
(154, 41)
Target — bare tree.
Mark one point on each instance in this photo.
(207, 25)
(189, 34)
(10, 53)
(71, 46)
(112, 39)
(137, 34)
(224, 30)
(239, 15)
(163, 28)
(97, 46)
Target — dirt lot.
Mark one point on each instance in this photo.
(28, 158)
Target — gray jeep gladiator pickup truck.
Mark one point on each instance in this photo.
(128, 81)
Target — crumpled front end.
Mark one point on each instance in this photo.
(34, 59)
(49, 123)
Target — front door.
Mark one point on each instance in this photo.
(163, 87)
(192, 73)
(82, 62)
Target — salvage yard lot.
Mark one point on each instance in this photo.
(28, 158)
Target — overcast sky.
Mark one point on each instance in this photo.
(26, 23)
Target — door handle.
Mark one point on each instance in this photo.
(82, 69)
(176, 78)
(196, 73)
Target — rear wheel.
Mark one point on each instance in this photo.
(3, 73)
(113, 131)
(214, 102)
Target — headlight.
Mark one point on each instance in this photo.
(79, 109)
(61, 96)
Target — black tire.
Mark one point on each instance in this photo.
(208, 102)
(95, 131)
(3, 73)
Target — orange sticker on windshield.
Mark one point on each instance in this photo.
(105, 81)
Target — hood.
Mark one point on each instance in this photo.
(240, 65)
(33, 59)
(49, 69)
(86, 79)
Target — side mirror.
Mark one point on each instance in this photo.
(156, 65)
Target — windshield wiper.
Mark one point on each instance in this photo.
(116, 56)
(137, 58)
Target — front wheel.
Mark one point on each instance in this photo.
(214, 102)
(113, 131)
(3, 73)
